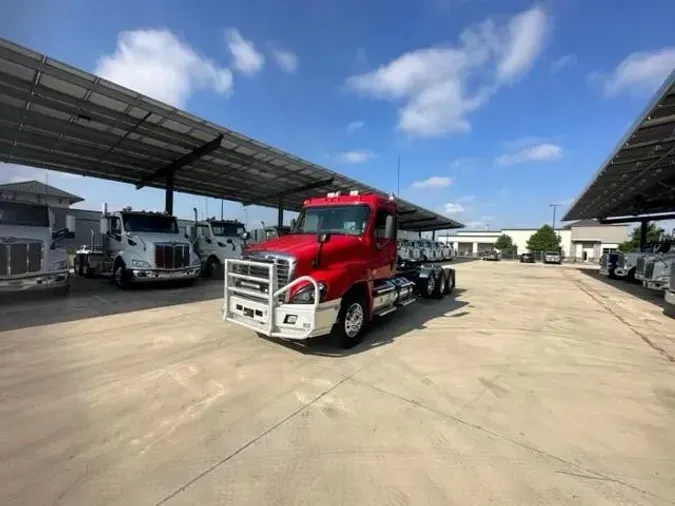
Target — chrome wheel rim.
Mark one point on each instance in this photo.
(353, 319)
(431, 284)
(442, 283)
(118, 276)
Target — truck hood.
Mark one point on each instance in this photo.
(36, 233)
(304, 247)
(153, 237)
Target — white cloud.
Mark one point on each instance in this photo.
(525, 40)
(453, 208)
(465, 199)
(539, 153)
(355, 125)
(158, 64)
(477, 224)
(524, 142)
(487, 218)
(246, 58)
(440, 86)
(13, 173)
(561, 63)
(434, 182)
(356, 156)
(287, 60)
(639, 72)
(565, 202)
(465, 164)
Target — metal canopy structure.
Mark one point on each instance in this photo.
(58, 117)
(638, 179)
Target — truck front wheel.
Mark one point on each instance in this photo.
(352, 322)
(121, 276)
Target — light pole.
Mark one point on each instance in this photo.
(554, 206)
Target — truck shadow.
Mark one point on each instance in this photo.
(92, 298)
(387, 329)
(635, 289)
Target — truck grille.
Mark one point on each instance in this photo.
(283, 269)
(649, 270)
(640, 266)
(20, 258)
(172, 256)
(620, 259)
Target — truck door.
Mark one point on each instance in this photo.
(385, 256)
(114, 236)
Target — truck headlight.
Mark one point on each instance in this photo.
(140, 264)
(59, 265)
(306, 294)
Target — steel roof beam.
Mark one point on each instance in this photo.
(184, 160)
(290, 191)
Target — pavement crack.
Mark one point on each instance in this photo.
(659, 349)
(584, 472)
(255, 439)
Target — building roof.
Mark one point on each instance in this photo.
(590, 223)
(38, 188)
(62, 118)
(638, 178)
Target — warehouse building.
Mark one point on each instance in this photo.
(581, 241)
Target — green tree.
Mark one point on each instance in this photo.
(544, 239)
(654, 234)
(505, 243)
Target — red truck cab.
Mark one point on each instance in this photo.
(333, 272)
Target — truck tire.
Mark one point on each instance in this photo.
(450, 282)
(427, 286)
(352, 322)
(210, 268)
(441, 285)
(120, 276)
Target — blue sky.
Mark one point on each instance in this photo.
(496, 108)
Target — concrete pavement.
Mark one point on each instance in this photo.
(532, 385)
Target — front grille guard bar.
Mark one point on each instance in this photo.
(271, 296)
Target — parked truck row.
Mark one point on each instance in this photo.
(652, 267)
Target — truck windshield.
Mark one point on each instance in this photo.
(227, 229)
(149, 223)
(23, 214)
(347, 220)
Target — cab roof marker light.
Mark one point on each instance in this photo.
(353, 193)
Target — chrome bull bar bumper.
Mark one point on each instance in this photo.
(254, 300)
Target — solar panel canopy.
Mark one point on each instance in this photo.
(639, 176)
(58, 117)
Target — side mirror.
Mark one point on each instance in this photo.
(245, 236)
(293, 222)
(188, 231)
(104, 225)
(323, 237)
(70, 223)
(390, 228)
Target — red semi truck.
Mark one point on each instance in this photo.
(335, 272)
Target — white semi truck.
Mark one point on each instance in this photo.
(656, 273)
(29, 258)
(215, 240)
(138, 246)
